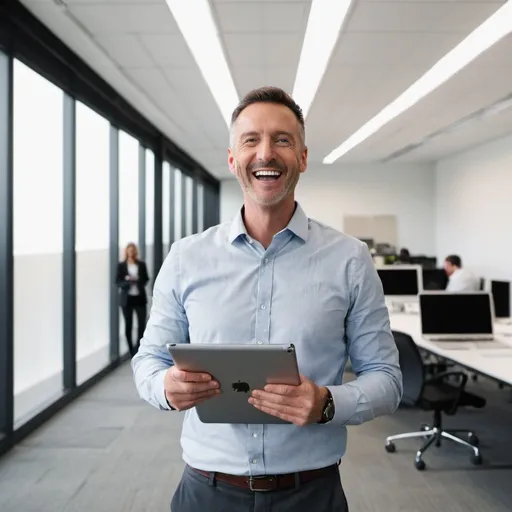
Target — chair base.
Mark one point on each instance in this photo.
(434, 435)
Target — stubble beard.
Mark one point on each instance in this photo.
(291, 179)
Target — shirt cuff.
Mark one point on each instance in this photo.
(345, 404)
(159, 390)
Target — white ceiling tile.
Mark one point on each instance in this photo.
(149, 79)
(282, 49)
(420, 16)
(126, 50)
(285, 17)
(392, 48)
(111, 2)
(258, 17)
(244, 49)
(259, 1)
(115, 19)
(248, 78)
(168, 50)
(185, 79)
(282, 77)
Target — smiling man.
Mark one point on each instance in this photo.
(272, 275)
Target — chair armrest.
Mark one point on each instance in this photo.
(439, 377)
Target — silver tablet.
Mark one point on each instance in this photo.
(239, 369)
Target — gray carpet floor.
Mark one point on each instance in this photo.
(110, 452)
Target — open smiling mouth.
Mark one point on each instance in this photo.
(267, 175)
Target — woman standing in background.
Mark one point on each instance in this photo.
(132, 277)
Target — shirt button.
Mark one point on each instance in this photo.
(266, 260)
(250, 240)
(259, 342)
(263, 306)
(255, 435)
(254, 461)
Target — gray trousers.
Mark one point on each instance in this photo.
(197, 493)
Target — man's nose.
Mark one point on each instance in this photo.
(265, 150)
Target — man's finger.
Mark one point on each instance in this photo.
(282, 389)
(276, 408)
(193, 397)
(281, 413)
(272, 397)
(186, 376)
(188, 388)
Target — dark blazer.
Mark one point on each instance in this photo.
(124, 285)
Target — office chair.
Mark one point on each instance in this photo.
(433, 393)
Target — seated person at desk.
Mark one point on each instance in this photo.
(459, 279)
(404, 258)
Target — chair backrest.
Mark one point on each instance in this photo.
(411, 364)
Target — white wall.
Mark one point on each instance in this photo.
(327, 194)
(474, 208)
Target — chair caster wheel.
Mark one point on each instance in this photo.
(419, 464)
(473, 440)
(476, 460)
(424, 427)
(390, 447)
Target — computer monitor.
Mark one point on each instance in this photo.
(434, 279)
(456, 315)
(500, 291)
(400, 280)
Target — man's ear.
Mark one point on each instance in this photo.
(231, 162)
(304, 159)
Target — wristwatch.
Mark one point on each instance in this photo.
(328, 410)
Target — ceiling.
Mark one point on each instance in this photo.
(384, 46)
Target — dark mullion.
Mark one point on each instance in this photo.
(183, 205)
(194, 206)
(114, 242)
(172, 204)
(6, 248)
(157, 214)
(142, 203)
(69, 237)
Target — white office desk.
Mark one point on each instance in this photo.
(493, 362)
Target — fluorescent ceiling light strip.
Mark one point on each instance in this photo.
(195, 21)
(488, 33)
(324, 24)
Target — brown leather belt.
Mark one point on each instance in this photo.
(268, 482)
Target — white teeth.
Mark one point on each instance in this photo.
(267, 173)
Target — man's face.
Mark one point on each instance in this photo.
(449, 268)
(267, 154)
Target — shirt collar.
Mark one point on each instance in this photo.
(298, 225)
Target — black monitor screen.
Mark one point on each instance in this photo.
(434, 279)
(501, 294)
(457, 313)
(399, 281)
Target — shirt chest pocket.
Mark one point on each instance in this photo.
(310, 310)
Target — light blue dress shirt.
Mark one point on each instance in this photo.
(314, 287)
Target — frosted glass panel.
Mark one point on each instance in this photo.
(92, 242)
(38, 219)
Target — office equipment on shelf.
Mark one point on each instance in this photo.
(401, 281)
(456, 316)
(439, 394)
(500, 291)
(434, 279)
(424, 261)
(370, 242)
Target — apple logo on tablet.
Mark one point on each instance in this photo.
(241, 387)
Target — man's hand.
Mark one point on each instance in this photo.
(184, 390)
(300, 405)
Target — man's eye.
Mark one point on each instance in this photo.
(283, 140)
(250, 140)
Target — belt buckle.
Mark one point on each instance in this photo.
(270, 479)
